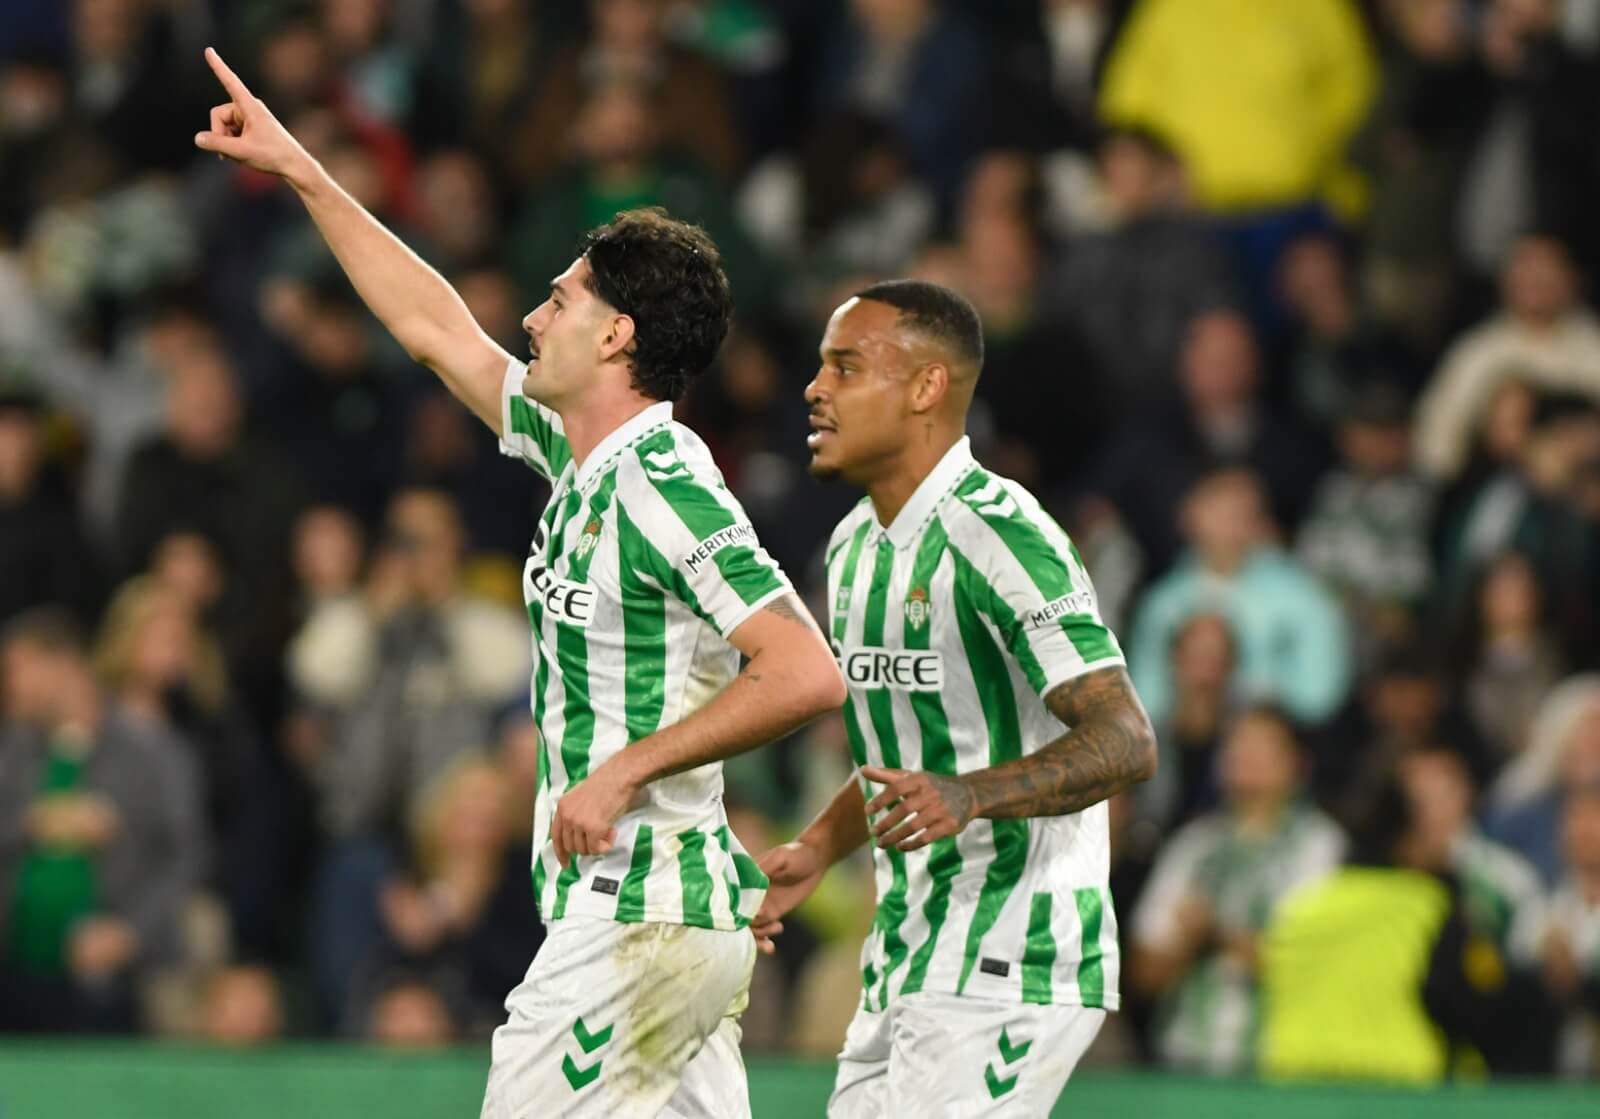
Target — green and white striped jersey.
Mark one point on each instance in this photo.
(950, 626)
(641, 566)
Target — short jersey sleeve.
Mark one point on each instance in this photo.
(1026, 577)
(529, 430)
(700, 545)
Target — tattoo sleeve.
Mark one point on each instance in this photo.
(1109, 746)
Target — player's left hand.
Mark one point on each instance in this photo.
(585, 816)
(922, 807)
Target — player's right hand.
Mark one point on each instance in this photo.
(245, 130)
(793, 871)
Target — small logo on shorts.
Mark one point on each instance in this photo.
(994, 967)
(606, 886)
(917, 609)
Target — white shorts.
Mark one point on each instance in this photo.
(627, 1020)
(940, 1056)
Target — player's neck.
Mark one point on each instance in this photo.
(893, 488)
(587, 423)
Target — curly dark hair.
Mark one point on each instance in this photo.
(667, 276)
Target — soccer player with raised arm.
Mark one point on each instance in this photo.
(645, 584)
(990, 716)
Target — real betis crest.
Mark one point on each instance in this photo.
(590, 537)
(917, 608)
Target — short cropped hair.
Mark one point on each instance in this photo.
(943, 315)
(666, 275)
(47, 628)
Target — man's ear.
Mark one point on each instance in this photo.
(617, 336)
(929, 386)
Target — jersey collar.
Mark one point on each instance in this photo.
(623, 434)
(949, 470)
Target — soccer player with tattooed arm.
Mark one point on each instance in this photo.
(645, 585)
(990, 716)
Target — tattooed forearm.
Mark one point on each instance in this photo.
(1109, 746)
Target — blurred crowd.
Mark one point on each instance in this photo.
(1289, 323)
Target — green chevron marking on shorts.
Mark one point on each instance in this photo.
(591, 1041)
(579, 1078)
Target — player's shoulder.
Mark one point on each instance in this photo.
(672, 457)
(848, 526)
(986, 510)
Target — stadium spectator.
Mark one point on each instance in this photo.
(1562, 759)
(1134, 288)
(411, 1013)
(415, 669)
(1568, 945)
(242, 1008)
(1292, 638)
(462, 905)
(1542, 335)
(620, 161)
(46, 558)
(917, 65)
(1366, 533)
(1502, 896)
(1044, 75)
(1204, 701)
(1332, 346)
(1041, 392)
(1540, 507)
(1413, 146)
(478, 75)
(102, 839)
(1377, 973)
(845, 205)
(1213, 890)
(1261, 121)
(1534, 163)
(628, 48)
(168, 675)
(1509, 652)
(1222, 419)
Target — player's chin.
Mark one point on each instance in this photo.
(823, 468)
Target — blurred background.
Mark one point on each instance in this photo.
(1290, 324)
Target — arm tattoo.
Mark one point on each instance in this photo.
(1109, 746)
(790, 607)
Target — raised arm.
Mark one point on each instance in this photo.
(413, 301)
(1109, 746)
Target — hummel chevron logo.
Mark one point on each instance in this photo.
(581, 1078)
(592, 1041)
(1009, 1055)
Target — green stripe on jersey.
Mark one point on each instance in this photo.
(526, 419)
(1046, 567)
(703, 515)
(1039, 957)
(695, 878)
(892, 907)
(938, 756)
(644, 623)
(998, 700)
(1091, 973)
(630, 899)
(841, 619)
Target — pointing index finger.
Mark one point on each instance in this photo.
(230, 81)
(881, 775)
